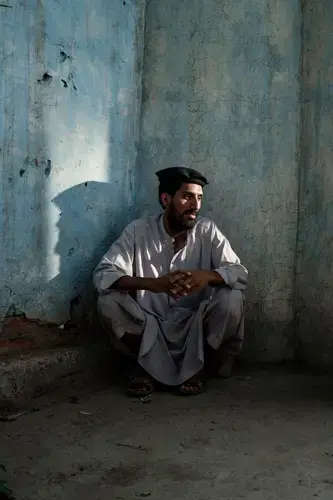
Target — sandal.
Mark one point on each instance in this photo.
(140, 385)
(193, 387)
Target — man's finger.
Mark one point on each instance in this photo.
(187, 282)
(185, 277)
(176, 277)
(178, 295)
(176, 288)
(181, 291)
(183, 283)
(179, 273)
(178, 291)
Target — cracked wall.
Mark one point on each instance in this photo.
(221, 91)
(69, 106)
(221, 87)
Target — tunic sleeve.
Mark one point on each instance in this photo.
(226, 263)
(117, 262)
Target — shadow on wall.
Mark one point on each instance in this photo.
(90, 219)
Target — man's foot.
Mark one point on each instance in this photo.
(141, 384)
(226, 368)
(195, 385)
(219, 363)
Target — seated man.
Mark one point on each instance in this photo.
(171, 290)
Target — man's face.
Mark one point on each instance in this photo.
(182, 208)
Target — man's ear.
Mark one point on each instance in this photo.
(165, 199)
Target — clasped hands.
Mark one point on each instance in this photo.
(179, 284)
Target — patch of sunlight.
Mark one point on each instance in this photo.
(78, 150)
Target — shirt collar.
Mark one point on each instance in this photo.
(165, 236)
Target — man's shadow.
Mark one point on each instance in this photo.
(91, 216)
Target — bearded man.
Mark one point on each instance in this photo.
(171, 291)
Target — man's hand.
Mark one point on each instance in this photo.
(181, 283)
(176, 284)
(193, 281)
(173, 284)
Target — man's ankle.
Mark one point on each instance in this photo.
(226, 368)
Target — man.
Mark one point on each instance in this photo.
(171, 290)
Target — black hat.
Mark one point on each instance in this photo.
(172, 178)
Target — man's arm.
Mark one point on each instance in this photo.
(115, 271)
(164, 284)
(117, 263)
(133, 284)
(214, 278)
(227, 269)
(226, 263)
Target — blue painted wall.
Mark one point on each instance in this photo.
(221, 94)
(69, 107)
(225, 90)
(314, 312)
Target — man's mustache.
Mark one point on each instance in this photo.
(194, 212)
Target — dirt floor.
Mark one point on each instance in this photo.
(261, 435)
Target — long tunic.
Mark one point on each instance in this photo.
(146, 250)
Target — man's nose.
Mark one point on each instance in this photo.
(195, 204)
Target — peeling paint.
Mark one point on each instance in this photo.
(46, 78)
(48, 168)
(64, 56)
(64, 186)
(221, 89)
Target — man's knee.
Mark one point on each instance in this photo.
(229, 301)
(109, 303)
(121, 314)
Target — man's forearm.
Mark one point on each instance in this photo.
(132, 284)
(215, 279)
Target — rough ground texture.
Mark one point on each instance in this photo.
(259, 436)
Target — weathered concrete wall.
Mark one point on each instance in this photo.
(315, 249)
(222, 81)
(69, 107)
(221, 92)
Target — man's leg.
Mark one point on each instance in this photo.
(124, 320)
(224, 328)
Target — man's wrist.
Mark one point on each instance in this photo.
(148, 284)
(144, 284)
(214, 278)
(132, 284)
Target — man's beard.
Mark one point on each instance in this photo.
(178, 222)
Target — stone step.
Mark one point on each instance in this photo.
(30, 374)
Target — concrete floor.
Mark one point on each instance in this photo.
(260, 436)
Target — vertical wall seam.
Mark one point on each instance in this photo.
(140, 108)
(300, 166)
